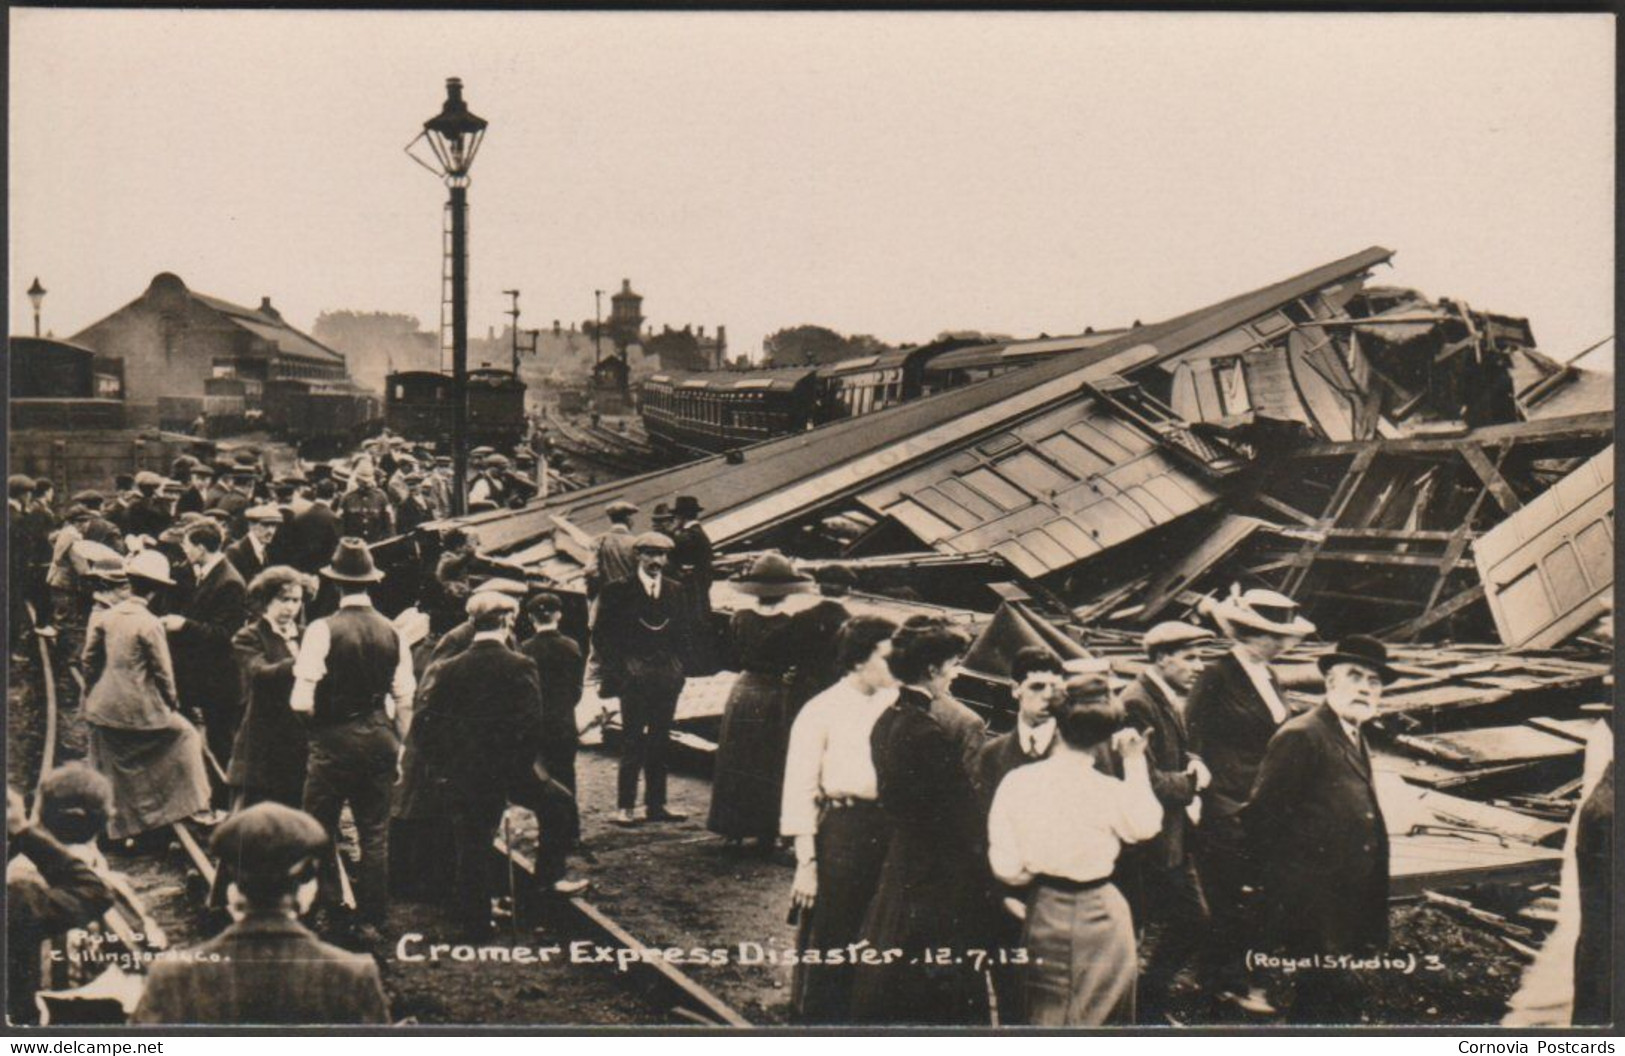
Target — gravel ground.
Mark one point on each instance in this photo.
(675, 885)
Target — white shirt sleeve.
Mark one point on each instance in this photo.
(808, 738)
(1139, 814)
(1003, 846)
(311, 667)
(404, 683)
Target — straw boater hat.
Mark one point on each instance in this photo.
(1259, 610)
(272, 514)
(1363, 650)
(102, 561)
(773, 576)
(352, 563)
(151, 566)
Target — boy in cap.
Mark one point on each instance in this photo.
(266, 967)
(642, 636)
(1316, 827)
(1164, 890)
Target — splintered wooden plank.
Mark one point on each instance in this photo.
(1491, 746)
(1576, 730)
(1432, 861)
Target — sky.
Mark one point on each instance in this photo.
(888, 174)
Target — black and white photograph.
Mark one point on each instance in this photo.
(821, 521)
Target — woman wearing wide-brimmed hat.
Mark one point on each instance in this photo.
(1234, 709)
(749, 771)
(138, 738)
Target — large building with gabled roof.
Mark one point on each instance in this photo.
(180, 348)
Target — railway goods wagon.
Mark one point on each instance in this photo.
(418, 406)
(57, 385)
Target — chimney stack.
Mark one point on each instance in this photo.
(266, 309)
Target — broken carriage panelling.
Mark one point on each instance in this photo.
(1548, 567)
(1047, 493)
(1285, 372)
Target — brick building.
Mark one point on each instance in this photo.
(186, 352)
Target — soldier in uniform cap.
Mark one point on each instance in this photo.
(353, 678)
(1162, 883)
(642, 636)
(266, 967)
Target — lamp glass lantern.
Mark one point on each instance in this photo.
(452, 137)
(36, 296)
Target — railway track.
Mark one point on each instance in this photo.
(602, 448)
(181, 889)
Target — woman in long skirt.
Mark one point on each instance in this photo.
(749, 770)
(269, 755)
(138, 739)
(1079, 934)
(832, 811)
(934, 886)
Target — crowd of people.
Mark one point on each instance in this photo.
(1017, 877)
(1073, 870)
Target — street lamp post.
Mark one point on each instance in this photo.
(597, 326)
(454, 136)
(36, 294)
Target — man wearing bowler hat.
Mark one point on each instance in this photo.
(691, 563)
(642, 635)
(353, 678)
(1315, 825)
(266, 967)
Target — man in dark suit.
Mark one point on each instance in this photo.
(480, 734)
(691, 560)
(315, 531)
(200, 637)
(1039, 687)
(1235, 708)
(266, 967)
(558, 660)
(1164, 891)
(251, 554)
(643, 633)
(1316, 826)
(195, 499)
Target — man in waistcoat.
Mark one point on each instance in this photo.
(354, 680)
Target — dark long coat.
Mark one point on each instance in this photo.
(315, 535)
(265, 968)
(480, 728)
(748, 773)
(271, 749)
(1148, 709)
(1230, 726)
(245, 559)
(558, 662)
(1314, 823)
(934, 885)
(205, 665)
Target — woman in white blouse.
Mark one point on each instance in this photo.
(1079, 936)
(829, 807)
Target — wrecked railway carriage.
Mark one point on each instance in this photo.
(1347, 444)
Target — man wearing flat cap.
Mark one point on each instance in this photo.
(251, 554)
(612, 558)
(200, 479)
(1164, 890)
(1235, 708)
(266, 967)
(1315, 824)
(642, 635)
